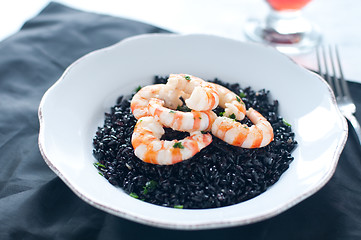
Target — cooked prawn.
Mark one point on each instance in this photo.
(181, 121)
(231, 103)
(149, 148)
(140, 100)
(200, 94)
(235, 133)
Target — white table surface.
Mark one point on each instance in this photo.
(339, 21)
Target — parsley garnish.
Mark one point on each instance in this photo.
(286, 123)
(138, 88)
(149, 186)
(233, 116)
(238, 99)
(178, 206)
(187, 78)
(178, 145)
(97, 164)
(134, 195)
(171, 111)
(242, 95)
(221, 114)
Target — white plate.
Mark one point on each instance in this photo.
(73, 108)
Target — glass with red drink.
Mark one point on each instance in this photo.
(282, 5)
(285, 28)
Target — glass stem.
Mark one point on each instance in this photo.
(286, 27)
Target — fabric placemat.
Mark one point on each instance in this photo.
(36, 204)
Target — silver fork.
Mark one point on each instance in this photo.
(338, 84)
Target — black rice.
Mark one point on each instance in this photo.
(220, 175)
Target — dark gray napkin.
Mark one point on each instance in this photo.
(36, 204)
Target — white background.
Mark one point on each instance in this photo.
(340, 21)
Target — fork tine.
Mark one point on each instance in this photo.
(339, 62)
(335, 79)
(346, 91)
(318, 61)
(326, 73)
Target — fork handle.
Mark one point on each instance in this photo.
(355, 124)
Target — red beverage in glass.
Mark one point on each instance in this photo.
(281, 5)
(284, 28)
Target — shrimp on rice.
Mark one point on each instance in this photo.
(149, 148)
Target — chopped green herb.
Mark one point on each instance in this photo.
(286, 123)
(178, 206)
(238, 99)
(97, 164)
(171, 111)
(178, 145)
(242, 95)
(101, 174)
(187, 78)
(221, 114)
(149, 186)
(233, 116)
(134, 195)
(138, 88)
(151, 183)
